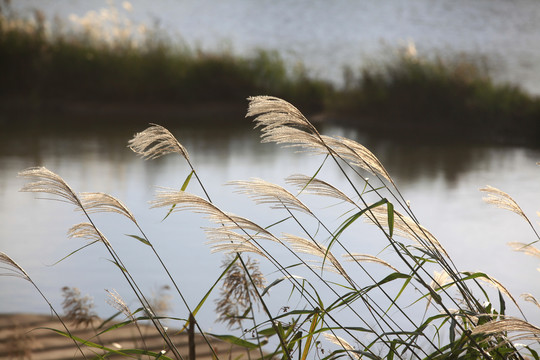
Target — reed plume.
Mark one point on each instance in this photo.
(87, 231)
(12, 267)
(95, 202)
(354, 257)
(311, 247)
(406, 227)
(343, 343)
(317, 187)
(264, 192)
(238, 292)
(523, 330)
(502, 200)
(155, 142)
(48, 182)
(78, 309)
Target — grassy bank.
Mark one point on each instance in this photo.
(47, 68)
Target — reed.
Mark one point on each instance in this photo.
(417, 305)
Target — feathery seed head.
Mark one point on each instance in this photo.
(311, 247)
(155, 142)
(77, 308)
(405, 227)
(118, 303)
(282, 123)
(239, 290)
(527, 249)
(95, 202)
(87, 231)
(357, 155)
(502, 200)
(264, 192)
(440, 278)
(341, 342)
(367, 258)
(7, 263)
(317, 187)
(48, 182)
(523, 330)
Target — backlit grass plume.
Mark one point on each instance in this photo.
(264, 192)
(238, 292)
(78, 309)
(46, 181)
(12, 268)
(155, 142)
(95, 202)
(502, 200)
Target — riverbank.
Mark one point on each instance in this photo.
(24, 336)
(63, 76)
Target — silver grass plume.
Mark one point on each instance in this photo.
(523, 329)
(367, 258)
(527, 249)
(88, 232)
(343, 343)
(272, 112)
(95, 202)
(311, 247)
(48, 182)
(357, 155)
(440, 278)
(499, 286)
(502, 200)
(282, 123)
(190, 202)
(118, 303)
(317, 187)
(12, 268)
(405, 227)
(155, 142)
(78, 309)
(264, 192)
(221, 239)
(239, 291)
(531, 299)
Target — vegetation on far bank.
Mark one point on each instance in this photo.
(46, 66)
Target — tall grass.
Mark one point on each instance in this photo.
(407, 300)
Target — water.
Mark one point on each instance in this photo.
(441, 181)
(326, 36)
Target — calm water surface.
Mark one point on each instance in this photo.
(441, 181)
